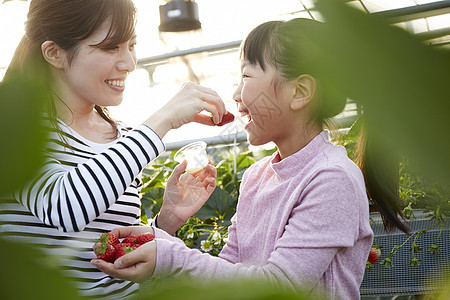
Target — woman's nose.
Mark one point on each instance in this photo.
(128, 61)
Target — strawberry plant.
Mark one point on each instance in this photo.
(417, 193)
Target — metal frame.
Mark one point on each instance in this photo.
(393, 16)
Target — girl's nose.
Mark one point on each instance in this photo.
(237, 93)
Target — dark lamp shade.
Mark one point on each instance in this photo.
(179, 15)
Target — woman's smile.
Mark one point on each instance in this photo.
(116, 84)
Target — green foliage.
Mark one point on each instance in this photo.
(27, 272)
(401, 83)
(224, 289)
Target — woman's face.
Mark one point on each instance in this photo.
(97, 76)
(263, 102)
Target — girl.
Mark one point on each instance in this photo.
(303, 214)
(81, 52)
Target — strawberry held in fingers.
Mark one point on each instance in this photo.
(374, 254)
(227, 118)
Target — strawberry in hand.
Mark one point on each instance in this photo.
(108, 238)
(105, 251)
(131, 239)
(124, 248)
(145, 238)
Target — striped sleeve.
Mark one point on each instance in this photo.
(71, 199)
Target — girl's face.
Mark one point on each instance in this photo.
(97, 76)
(264, 100)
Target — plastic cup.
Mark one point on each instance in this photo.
(195, 155)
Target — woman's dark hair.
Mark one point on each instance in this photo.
(287, 47)
(67, 23)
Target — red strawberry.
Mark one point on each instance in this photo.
(124, 248)
(145, 238)
(109, 238)
(374, 254)
(105, 251)
(226, 118)
(131, 239)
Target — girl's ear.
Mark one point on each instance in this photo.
(53, 54)
(305, 89)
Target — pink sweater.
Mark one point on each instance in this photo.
(303, 220)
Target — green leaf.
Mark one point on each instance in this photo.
(434, 249)
(28, 273)
(22, 137)
(387, 263)
(217, 205)
(352, 54)
(415, 262)
(415, 248)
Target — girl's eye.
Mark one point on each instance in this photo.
(113, 49)
(245, 76)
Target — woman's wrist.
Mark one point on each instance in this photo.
(160, 123)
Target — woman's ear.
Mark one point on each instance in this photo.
(53, 54)
(305, 89)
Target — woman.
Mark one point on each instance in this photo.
(81, 52)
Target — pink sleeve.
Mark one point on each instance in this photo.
(284, 265)
(302, 254)
(230, 250)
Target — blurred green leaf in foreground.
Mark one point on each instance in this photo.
(402, 83)
(26, 272)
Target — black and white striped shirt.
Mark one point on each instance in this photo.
(82, 191)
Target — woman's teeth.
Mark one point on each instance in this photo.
(119, 83)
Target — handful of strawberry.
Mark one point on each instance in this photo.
(109, 248)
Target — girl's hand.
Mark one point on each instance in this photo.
(186, 106)
(136, 266)
(184, 196)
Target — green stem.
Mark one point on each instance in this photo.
(440, 231)
(416, 234)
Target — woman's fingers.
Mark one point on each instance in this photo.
(210, 101)
(212, 97)
(204, 119)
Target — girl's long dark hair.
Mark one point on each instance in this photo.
(67, 23)
(285, 46)
(380, 167)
